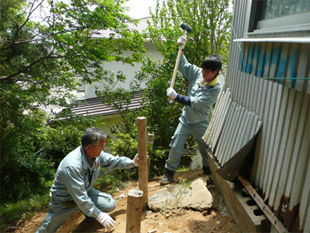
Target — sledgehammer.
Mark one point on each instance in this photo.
(186, 29)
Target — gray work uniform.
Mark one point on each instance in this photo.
(73, 185)
(195, 118)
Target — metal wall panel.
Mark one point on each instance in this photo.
(284, 63)
(268, 82)
(215, 127)
(230, 121)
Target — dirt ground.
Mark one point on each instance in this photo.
(215, 220)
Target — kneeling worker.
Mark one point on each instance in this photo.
(73, 185)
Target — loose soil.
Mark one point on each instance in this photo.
(217, 219)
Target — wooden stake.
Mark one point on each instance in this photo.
(143, 161)
(134, 210)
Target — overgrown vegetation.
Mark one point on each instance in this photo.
(28, 176)
(40, 63)
(11, 212)
(47, 49)
(126, 144)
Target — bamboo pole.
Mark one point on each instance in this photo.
(134, 210)
(143, 161)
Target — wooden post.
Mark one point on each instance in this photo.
(143, 163)
(134, 210)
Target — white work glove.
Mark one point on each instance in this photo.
(181, 40)
(106, 220)
(136, 160)
(171, 93)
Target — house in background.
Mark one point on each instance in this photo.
(92, 105)
(128, 70)
(260, 131)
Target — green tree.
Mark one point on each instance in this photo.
(40, 61)
(210, 21)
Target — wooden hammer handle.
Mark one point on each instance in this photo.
(176, 66)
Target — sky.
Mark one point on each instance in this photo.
(140, 8)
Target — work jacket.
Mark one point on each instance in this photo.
(75, 177)
(202, 97)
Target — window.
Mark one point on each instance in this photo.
(276, 16)
(276, 8)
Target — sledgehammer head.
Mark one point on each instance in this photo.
(186, 27)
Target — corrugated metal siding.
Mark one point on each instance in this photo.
(284, 63)
(235, 122)
(282, 174)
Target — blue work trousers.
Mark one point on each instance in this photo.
(179, 138)
(58, 213)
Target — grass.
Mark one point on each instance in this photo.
(184, 183)
(183, 169)
(12, 212)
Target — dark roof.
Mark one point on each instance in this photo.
(95, 106)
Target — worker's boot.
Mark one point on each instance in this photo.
(168, 178)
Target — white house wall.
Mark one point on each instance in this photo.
(128, 70)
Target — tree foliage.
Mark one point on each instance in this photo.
(44, 46)
(210, 22)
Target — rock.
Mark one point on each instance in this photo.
(192, 195)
